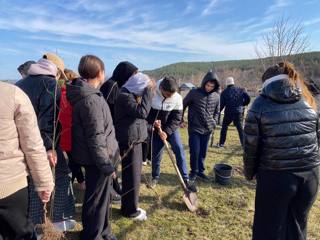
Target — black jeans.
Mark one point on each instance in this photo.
(96, 204)
(14, 222)
(131, 178)
(237, 120)
(283, 201)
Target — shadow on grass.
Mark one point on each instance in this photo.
(150, 211)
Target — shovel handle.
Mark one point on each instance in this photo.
(174, 163)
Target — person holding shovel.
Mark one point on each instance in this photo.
(166, 113)
(21, 153)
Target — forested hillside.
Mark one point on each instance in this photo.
(246, 72)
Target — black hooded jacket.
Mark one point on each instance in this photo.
(204, 107)
(41, 91)
(130, 117)
(110, 89)
(281, 131)
(93, 134)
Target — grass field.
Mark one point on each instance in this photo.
(226, 212)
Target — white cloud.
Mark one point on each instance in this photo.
(277, 6)
(209, 7)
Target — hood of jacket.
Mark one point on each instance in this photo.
(281, 90)
(78, 90)
(123, 72)
(211, 76)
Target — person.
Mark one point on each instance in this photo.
(44, 93)
(204, 105)
(166, 112)
(94, 146)
(65, 119)
(281, 150)
(131, 131)
(110, 90)
(24, 68)
(21, 153)
(233, 100)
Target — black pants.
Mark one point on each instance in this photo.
(283, 201)
(75, 170)
(131, 178)
(95, 209)
(237, 120)
(14, 223)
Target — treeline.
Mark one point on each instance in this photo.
(246, 72)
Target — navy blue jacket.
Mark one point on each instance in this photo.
(233, 99)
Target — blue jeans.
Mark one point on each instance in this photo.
(198, 144)
(157, 150)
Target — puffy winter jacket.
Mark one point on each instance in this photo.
(233, 99)
(93, 134)
(281, 131)
(130, 117)
(168, 110)
(204, 107)
(41, 90)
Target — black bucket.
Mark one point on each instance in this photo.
(223, 173)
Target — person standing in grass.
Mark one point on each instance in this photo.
(132, 107)
(203, 114)
(281, 150)
(94, 146)
(41, 86)
(166, 112)
(232, 100)
(21, 153)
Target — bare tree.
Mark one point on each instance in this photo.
(285, 38)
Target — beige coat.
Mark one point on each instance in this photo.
(21, 146)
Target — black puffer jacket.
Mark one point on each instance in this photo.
(93, 135)
(130, 117)
(281, 131)
(233, 99)
(204, 107)
(41, 91)
(110, 89)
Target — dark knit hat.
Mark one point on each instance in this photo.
(23, 68)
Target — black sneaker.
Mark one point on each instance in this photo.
(116, 198)
(190, 186)
(192, 177)
(203, 177)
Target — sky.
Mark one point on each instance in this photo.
(148, 33)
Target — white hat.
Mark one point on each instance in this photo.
(229, 81)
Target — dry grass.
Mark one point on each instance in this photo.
(226, 212)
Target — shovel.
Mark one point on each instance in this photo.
(189, 198)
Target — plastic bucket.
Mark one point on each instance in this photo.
(223, 173)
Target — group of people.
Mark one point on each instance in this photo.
(55, 120)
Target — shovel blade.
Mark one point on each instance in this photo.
(191, 201)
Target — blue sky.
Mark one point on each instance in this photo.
(148, 33)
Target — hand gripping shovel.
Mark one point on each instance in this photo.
(189, 198)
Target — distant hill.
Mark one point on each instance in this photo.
(246, 72)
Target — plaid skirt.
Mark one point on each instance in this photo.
(64, 206)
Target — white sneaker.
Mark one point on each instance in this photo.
(142, 216)
(65, 225)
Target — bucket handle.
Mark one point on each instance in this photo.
(216, 172)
